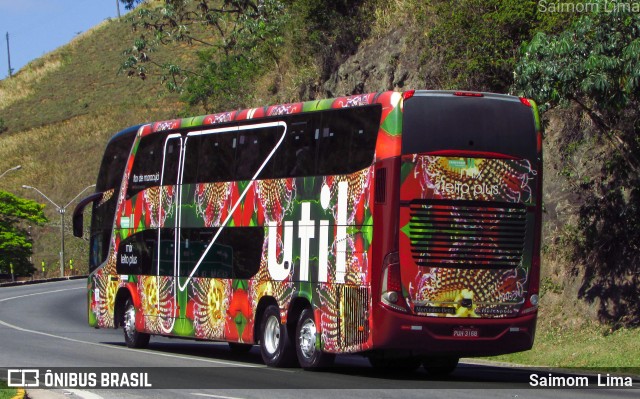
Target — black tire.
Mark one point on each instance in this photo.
(237, 347)
(440, 366)
(310, 356)
(395, 364)
(132, 337)
(275, 345)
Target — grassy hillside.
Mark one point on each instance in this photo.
(60, 110)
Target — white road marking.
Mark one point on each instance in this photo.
(84, 394)
(113, 347)
(41, 293)
(215, 396)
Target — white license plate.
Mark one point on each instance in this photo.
(466, 333)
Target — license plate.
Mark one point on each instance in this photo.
(466, 332)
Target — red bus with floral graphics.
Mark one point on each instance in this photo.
(401, 226)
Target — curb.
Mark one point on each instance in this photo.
(47, 280)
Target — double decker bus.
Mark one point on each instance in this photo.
(401, 226)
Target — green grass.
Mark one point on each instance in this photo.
(6, 392)
(588, 346)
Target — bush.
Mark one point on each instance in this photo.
(479, 40)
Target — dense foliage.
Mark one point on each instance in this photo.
(478, 40)
(595, 65)
(242, 41)
(15, 242)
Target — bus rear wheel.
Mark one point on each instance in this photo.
(132, 337)
(440, 366)
(275, 346)
(310, 356)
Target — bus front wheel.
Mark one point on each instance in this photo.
(275, 346)
(310, 356)
(132, 337)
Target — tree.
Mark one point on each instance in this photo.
(594, 65)
(244, 42)
(15, 241)
(241, 38)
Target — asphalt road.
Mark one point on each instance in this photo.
(44, 326)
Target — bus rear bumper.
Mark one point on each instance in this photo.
(460, 337)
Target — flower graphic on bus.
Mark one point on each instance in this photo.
(210, 304)
(212, 202)
(158, 302)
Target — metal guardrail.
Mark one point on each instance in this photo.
(47, 280)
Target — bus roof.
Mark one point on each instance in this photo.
(383, 98)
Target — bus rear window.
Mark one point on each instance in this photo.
(490, 124)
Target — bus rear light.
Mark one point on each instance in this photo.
(532, 302)
(408, 94)
(391, 282)
(525, 101)
(539, 142)
(467, 94)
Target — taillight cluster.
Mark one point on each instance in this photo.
(392, 283)
(532, 301)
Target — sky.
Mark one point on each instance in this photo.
(37, 27)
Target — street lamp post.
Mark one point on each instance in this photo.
(11, 170)
(61, 211)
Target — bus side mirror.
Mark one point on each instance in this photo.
(78, 219)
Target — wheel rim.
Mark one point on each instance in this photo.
(307, 338)
(130, 321)
(272, 335)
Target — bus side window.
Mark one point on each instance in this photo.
(363, 134)
(333, 145)
(216, 157)
(247, 250)
(166, 252)
(191, 152)
(347, 140)
(254, 146)
(171, 154)
(147, 165)
(136, 253)
(297, 154)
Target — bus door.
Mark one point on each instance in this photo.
(169, 232)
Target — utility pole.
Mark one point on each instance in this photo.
(9, 57)
(118, 5)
